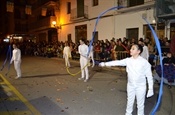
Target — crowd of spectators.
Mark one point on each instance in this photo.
(104, 50)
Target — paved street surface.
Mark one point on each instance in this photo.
(46, 88)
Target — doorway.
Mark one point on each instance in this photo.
(132, 33)
(80, 32)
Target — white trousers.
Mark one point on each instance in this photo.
(84, 67)
(67, 63)
(91, 55)
(17, 66)
(138, 92)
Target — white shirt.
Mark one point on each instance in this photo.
(145, 53)
(137, 69)
(83, 50)
(16, 55)
(67, 51)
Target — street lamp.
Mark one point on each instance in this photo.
(55, 25)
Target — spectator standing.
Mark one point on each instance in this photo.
(145, 53)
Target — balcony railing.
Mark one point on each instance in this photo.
(42, 24)
(76, 15)
(147, 4)
(127, 4)
(44, 3)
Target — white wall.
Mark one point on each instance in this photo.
(94, 11)
(131, 20)
(108, 27)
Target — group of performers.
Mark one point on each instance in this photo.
(137, 67)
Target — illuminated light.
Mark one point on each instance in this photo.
(6, 40)
(8, 36)
(54, 23)
(19, 37)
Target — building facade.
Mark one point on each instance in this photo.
(71, 20)
(44, 13)
(78, 19)
(29, 20)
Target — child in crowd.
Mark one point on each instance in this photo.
(168, 70)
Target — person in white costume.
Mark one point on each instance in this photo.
(16, 58)
(83, 51)
(145, 52)
(67, 54)
(91, 55)
(138, 70)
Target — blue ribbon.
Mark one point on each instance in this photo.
(158, 47)
(161, 64)
(10, 56)
(7, 55)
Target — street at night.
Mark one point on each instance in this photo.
(38, 38)
(46, 88)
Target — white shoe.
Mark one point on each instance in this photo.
(80, 78)
(17, 77)
(85, 80)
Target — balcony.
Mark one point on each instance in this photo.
(79, 15)
(146, 5)
(46, 3)
(42, 24)
(165, 9)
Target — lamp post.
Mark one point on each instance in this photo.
(55, 25)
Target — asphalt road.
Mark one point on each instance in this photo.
(51, 90)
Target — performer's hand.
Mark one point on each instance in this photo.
(102, 64)
(150, 93)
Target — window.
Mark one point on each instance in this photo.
(95, 3)
(132, 34)
(68, 7)
(69, 38)
(122, 3)
(95, 36)
(135, 2)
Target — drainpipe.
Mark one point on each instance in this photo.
(167, 28)
(114, 14)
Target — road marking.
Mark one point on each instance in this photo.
(11, 99)
(16, 113)
(25, 101)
